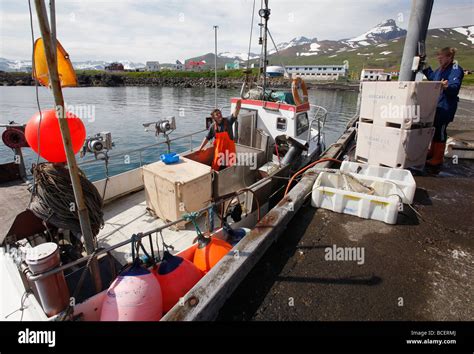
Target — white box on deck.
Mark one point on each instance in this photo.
(172, 190)
(401, 103)
(330, 192)
(403, 179)
(392, 147)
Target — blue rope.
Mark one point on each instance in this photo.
(192, 217)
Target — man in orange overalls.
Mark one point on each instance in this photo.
(221, 132)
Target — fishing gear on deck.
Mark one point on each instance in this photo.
(53, 199)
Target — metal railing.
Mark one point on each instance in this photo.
(141, 149)
(320, 114)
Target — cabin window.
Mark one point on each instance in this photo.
(302, 123)
(281, 124)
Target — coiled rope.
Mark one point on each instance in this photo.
(53, 198)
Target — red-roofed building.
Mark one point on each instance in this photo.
(195, 65)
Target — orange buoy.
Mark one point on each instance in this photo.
(209, 251)
(176, 276)
(50, 139)
(135, 295)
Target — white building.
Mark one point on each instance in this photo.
(152, 66)
(374, 75)
(318, 72)
(232, 66)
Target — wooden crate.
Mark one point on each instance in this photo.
(172, 190)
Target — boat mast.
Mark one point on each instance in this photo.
(66, 137)
(265, 14)
(52, 14)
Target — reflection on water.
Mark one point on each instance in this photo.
(123, 110)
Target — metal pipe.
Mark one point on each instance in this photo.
(66, 137)
(215, 66)
(420, 14)
(266, 15)
(144, 147)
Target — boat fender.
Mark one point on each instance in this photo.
(176, 276)
(209, 251)
(135, 295)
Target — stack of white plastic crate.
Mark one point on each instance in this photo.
(396, 122)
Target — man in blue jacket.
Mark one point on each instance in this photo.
(450, 74)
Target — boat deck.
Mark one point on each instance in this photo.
(14, 198)
(420, 269)
(127, 216)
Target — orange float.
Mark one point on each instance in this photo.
(50, 140)
(176, 276)
(209, 251)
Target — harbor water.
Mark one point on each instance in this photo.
(122, 111)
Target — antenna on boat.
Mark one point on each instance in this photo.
(82, 212)
(215, 66)
(265, 15)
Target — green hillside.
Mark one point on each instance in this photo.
(370, 56)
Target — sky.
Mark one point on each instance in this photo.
(167, 30)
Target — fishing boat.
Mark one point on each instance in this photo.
(278, 134)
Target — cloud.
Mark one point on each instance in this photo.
(141, 30)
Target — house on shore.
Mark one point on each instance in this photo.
(115, 67)
(318, 72)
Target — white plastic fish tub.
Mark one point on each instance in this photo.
(329, 193)
(402, 178)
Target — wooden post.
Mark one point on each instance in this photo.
(66, 136)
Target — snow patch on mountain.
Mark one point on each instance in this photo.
(314, 47)
(238, 56)
(468, 31)
(293, 43)
(383, 31)
(307, 54)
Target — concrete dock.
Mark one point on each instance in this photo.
(420, 269)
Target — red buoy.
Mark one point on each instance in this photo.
(209, 251)
(176, 276)
(50, 142)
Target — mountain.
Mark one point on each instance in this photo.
(25, 65)
(15, 65)
(380, 52)
(223, 58)
(379, 47)
(383, 32)
(293, 43)
(100, 65)
(238, 56)
(305, 47)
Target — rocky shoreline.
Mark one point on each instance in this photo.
(104, 79)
